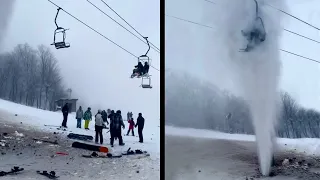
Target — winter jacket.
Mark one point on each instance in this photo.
(99, 120)
(117, 122)
(65, 109)
(131, 124)
(140, 122)
(87, 115)
(79, 114)
(104, 116)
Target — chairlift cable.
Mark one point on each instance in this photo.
(279, 49)
(119, 24)
(127, 23)
(289, 31)
(294, 17)
(98, 32)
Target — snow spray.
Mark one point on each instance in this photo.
(256, 72)
(6, 8)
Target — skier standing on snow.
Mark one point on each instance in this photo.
(79, 116)
(115, 128)
(87, 118)
(140, 124)
(65, 112)
(131, 126)
(99, 127)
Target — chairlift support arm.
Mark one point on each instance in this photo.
(55, 19)
(146, 38)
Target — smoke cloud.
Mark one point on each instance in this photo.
(6, 8)
(255, 73)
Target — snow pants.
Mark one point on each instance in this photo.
(86, 124)
(79, 123)
(65, 119)
(140, 134)
(99, 134)
(116, 133)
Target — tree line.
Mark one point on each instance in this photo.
(31, 76)
(196, 104)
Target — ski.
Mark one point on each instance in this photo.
(14, 170)
(51, 175)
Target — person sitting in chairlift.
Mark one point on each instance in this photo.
(138, 70)
(145, 68)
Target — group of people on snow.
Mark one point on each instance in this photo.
(101, 119)
(140, 70)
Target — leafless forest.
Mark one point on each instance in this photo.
(31, 76)
(196, 104)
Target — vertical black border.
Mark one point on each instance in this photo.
(162, 89)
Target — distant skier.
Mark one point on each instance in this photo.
(87, 118)
(115, 128)
(99, 127)
(65, 112)
(140, 124)
(131, 126)
(79, 116)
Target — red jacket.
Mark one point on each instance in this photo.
(131, 124)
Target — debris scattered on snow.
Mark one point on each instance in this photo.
(2, 144)
(39, 142)
(285, 162)
(18, 134)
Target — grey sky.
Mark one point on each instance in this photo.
(96, 70)
(185, 43)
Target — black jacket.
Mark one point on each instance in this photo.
(140, 122)
(65, 109)
(104, 116)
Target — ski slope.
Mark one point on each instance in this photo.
(204, 154)
(308, 146)
(33, 118)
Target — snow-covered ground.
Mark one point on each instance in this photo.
(308, 146)
(37, 118)
(24, 151)
(204, 154)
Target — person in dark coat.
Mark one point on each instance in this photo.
(111, 117)
(138, 71)
(105, 116)
(65, 112)
(115, 128)
(146, 68)
(140, 124)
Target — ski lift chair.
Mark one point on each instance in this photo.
(256, 34)
(142, 59)
(61, 44)
(146, 85)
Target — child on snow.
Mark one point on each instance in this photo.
(131, 126)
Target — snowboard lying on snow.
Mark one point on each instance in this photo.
(90, 147)
(80, 137)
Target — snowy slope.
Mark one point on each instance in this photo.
(36, 118)
(308, 146)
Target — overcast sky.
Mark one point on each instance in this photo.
(300, 77)
(97, 71)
